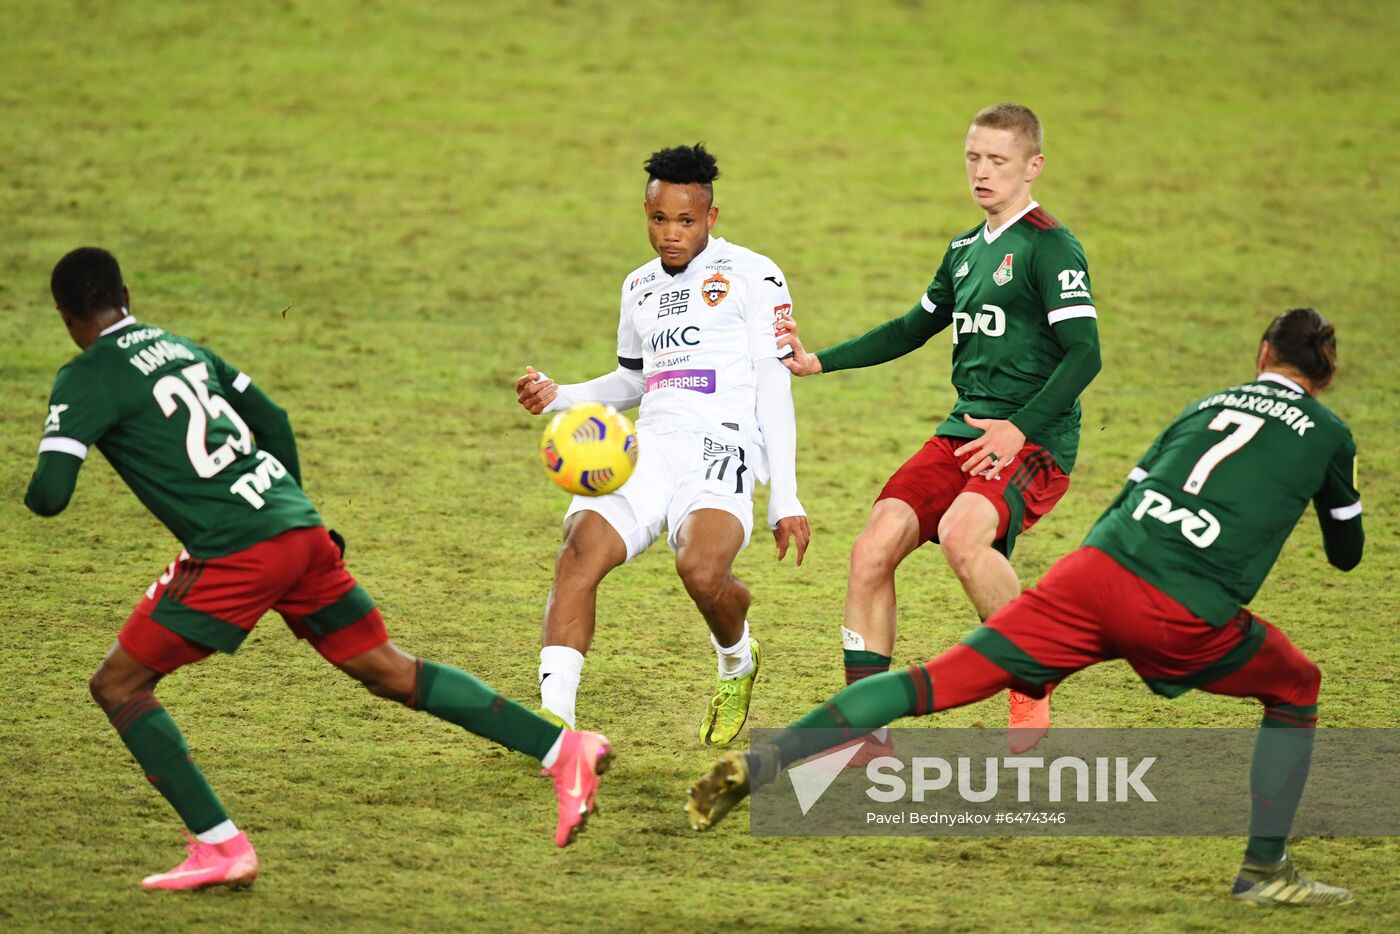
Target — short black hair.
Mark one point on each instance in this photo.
(683, 165)
(87, 281)
(1302, 339)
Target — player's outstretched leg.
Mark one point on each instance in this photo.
(1287, 682)
(959, 676)
(967, 532)
(573, 759)
(591, 549)
(891, 534)
(218, 852)
(706, 545)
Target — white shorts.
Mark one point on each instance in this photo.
(677, 473)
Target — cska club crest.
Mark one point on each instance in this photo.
(1003, 273)
(714, 289)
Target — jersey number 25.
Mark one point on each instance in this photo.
(193, 391)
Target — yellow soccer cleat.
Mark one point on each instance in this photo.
(714, 795)
(729, 708)
(552, 717)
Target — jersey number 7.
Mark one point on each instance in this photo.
(1246, 427)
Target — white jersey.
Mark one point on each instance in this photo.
(695, 337)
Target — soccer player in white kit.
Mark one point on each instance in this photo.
(696, 348)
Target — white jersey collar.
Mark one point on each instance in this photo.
(990, 236)
(126, 322)
(1282, 380)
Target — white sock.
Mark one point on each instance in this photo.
(561, 668)
(736, 660)
(219, 833)
(552, 756)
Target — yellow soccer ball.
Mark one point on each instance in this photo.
(590, 449)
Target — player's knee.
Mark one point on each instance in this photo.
(872, 558)
(962, 544)
(575, 564)
(1307, 679)
(384, 672)
(704, 580)
(99, 687)
(108, 689)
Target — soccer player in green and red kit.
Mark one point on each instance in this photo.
(1160, 581)
(216, 461)
(1014, 291)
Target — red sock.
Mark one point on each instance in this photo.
(963, 676)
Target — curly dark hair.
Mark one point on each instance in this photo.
(87, 281)
(683, 165)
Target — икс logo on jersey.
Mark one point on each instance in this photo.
(677, 338)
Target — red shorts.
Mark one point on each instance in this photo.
(1089, 608)
(1027, 488)
(201, 605)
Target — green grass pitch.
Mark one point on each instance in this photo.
(438, 194)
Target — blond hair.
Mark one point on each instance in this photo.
(1017, 118)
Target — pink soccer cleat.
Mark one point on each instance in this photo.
(582, 758)
(1029, 720)
(232, 862)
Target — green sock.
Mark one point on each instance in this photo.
(453, 695)
(1277, 774)
(162, 752)
(866, 705)
(862, 664)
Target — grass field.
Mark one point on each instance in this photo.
(382, 211)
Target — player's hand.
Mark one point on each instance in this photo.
(1001, 441)
(793, 529)
(801, 363)
(535, 391)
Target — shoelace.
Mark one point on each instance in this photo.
(727, 689)
(1018, 701)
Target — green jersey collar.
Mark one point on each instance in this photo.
(991, 236)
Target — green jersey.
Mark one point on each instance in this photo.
(163, 410)
(1024, 330)
(1003, 293)
(1206, 511)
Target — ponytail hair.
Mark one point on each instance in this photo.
(1304, 341)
